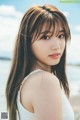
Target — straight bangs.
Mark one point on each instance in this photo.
(51, 23)
(45, 23)
(61, 22)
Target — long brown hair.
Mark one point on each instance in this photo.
(23, 60)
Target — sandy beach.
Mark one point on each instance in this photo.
(75, 102)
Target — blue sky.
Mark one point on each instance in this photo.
(11, 12)
(72, 8)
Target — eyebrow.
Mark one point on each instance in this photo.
(51, 31)
(61, 30)
(46, 32)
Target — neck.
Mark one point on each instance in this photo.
(42, 66)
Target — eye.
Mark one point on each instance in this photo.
(61, 36)
(45, 37)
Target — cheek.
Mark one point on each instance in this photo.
(39, 47)
(63, 45)
(36, 49)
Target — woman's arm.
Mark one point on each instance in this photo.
(46, 99)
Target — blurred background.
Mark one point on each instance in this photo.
(11, 13)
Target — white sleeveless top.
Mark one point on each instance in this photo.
(24, 114)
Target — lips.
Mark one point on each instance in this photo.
(55, 55)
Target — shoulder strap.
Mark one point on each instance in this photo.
(29, 75)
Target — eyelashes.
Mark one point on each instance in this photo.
(61, 36)
(47, 37)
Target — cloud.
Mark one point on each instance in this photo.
(77, 28)
(73, 49)
(9, 23)
(9, 11)
(66, 13)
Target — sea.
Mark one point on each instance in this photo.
(73, 74)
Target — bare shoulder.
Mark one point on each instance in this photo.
(43, 96)
(37, 81)
(45, 82)
(49, 79)
(46, 98)
(40, 80)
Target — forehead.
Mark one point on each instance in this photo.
(52, 29)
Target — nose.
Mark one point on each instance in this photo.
(55, 44)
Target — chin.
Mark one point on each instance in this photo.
(55, 62)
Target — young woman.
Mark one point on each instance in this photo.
(37, 87)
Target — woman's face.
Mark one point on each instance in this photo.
(49, 48)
